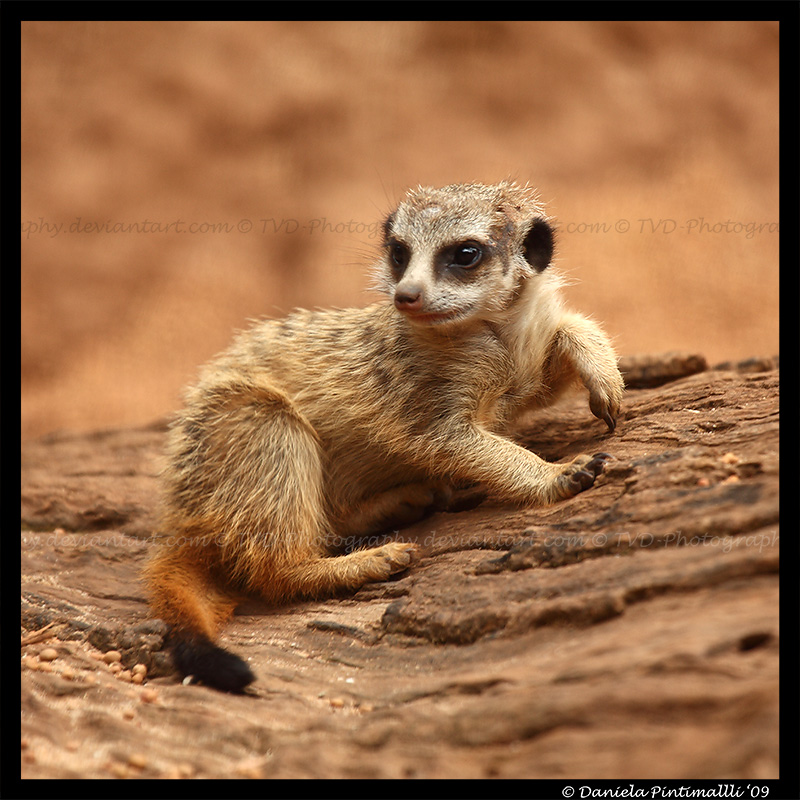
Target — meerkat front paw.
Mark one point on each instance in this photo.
(605, 408)
(580, 474)
(582, 346)
(605, 399)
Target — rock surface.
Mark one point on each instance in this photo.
(630, 632)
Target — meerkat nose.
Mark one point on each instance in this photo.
(408, 298)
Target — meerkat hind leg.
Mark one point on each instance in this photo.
(328, 575)
(278, 469)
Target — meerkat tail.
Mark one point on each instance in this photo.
(196, 655)
(195, 607)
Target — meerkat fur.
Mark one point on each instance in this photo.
(331, 425)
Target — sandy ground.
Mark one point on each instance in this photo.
(179, 178)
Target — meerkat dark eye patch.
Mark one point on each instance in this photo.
(399, 255)
(538, 245)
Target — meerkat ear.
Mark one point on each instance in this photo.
(537, 246)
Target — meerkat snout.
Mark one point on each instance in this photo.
(408, 297)
(409, 294)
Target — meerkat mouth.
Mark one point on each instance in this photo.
(435, 318)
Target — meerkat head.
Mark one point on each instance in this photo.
(464, 252)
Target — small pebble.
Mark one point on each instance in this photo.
(137, 678)
(336, 702)
(137, 760)
(48, 654)
(729, 458)
(703, 482)
(128, 713)
(139, 669)
(124, 675)
(112, 656)
(149, 695)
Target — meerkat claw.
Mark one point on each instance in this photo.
(598, 463)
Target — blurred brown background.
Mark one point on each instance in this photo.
(655, 145)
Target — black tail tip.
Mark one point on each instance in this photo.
(198, 656)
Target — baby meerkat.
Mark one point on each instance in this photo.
(334, 424)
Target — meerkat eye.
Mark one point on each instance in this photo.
(467, 255)
(399, 254)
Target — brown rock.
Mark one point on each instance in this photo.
(630, 632)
